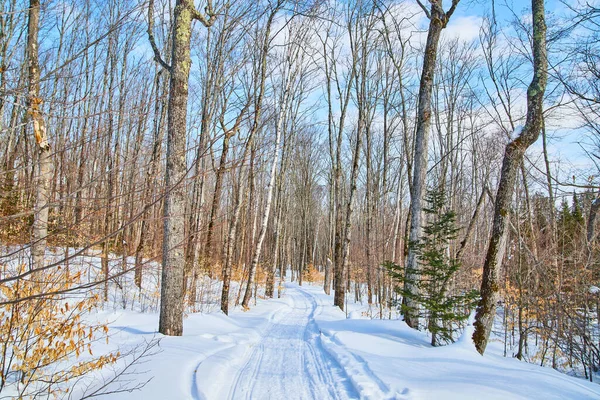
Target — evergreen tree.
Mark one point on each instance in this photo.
(577, 212)
(442, 311)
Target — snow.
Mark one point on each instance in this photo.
(402, 364)
(301, 347)
(517, 132)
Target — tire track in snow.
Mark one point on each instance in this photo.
(312, 336)
(250, 367)
(288, 363)
(366, 383)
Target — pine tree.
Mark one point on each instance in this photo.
(442, 311)
(577, 212)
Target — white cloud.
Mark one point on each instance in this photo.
(465, 28)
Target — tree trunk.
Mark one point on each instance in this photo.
(438, 19)
(173, 259)
(273, 175)
(327, 280)
(513, 156)
(43, 172)
(338, 263)
(208, 251)
(250, 146)
(149, 180)
(231, 237)
(471, 226)
(270, 284)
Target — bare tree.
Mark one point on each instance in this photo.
(171, 307)
(344, 94)
(438, 20)
(513, 156)
(292, 65)
(43, 172)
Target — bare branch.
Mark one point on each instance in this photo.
(427, 13)
(207, 20)
(452, 8)
(157, 56)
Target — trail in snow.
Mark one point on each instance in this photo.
(289, 363)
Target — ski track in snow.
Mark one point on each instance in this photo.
(194, 384)
(289, 363)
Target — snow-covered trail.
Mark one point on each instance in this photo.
(289, 362)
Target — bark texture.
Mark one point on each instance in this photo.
(171, 306)
(43, 171)
(513, 157)
(438, 19)
(173, 259)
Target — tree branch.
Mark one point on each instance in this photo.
(451, 10)
(207, 20)
(157, 56)
(427, 13)
(238, 121)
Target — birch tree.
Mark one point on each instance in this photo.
(293, 60)
(43, 172)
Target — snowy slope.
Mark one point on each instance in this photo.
(301, 347)
(404, 365)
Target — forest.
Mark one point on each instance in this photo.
(429, 160)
